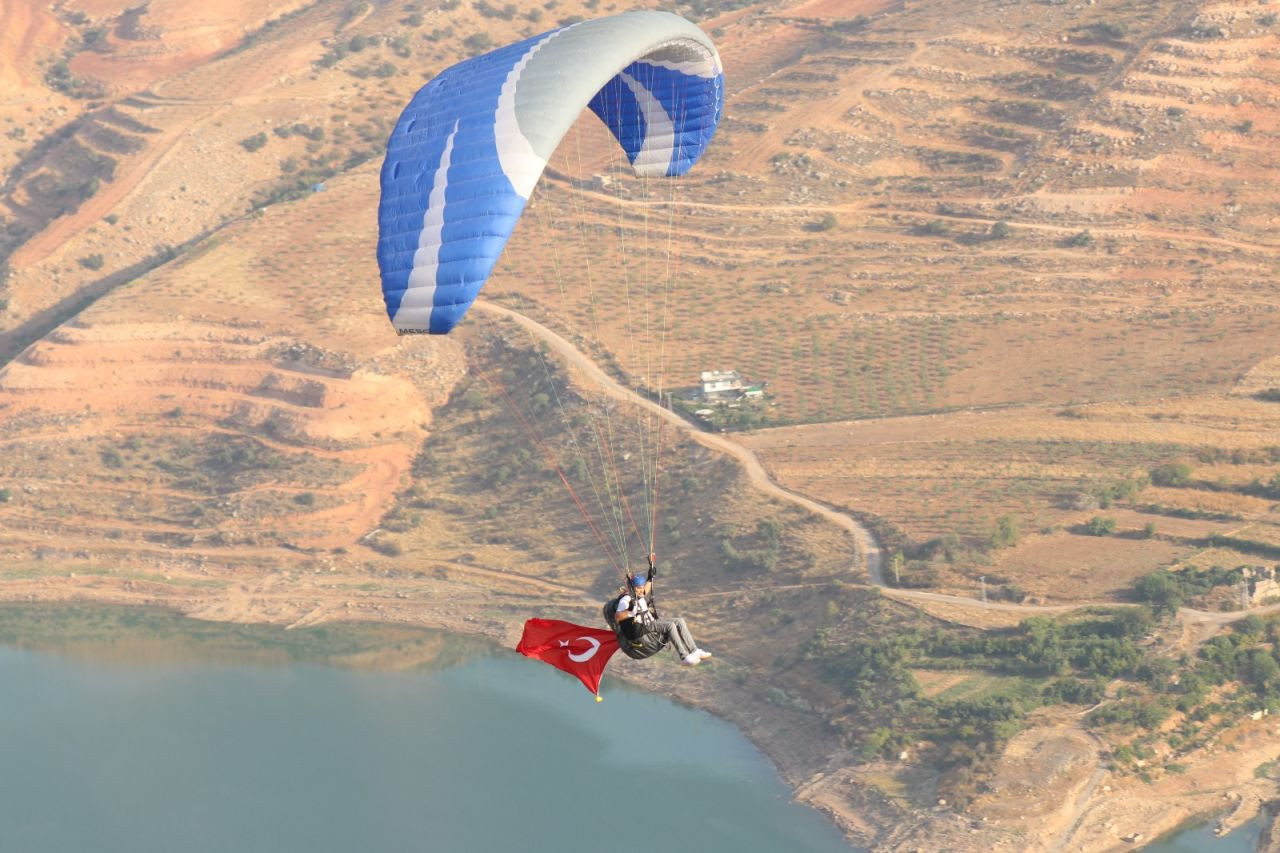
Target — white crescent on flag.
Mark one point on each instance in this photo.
(590, 653)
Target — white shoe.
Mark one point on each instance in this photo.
(691, 659)
(702, 655)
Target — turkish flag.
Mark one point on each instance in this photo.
(579, 651)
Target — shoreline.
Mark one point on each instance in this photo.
(1111, 813)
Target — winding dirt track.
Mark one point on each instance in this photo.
(869, 551)
(868, 548)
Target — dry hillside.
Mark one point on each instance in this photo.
(992, 260)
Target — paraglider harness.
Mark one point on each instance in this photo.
(647, 644)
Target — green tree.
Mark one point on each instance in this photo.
(1006, 533)
(1101, 525)
(253, 143)
(1176, 474)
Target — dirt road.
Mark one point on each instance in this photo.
(870, 556)
(868, 548)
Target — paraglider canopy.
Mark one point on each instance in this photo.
(467, 151)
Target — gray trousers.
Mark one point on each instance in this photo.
(677, 633)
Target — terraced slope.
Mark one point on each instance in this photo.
(839, 244)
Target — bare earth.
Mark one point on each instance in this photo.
(203, 408)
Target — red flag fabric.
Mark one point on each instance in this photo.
(579, 651)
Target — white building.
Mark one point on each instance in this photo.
(720, 382)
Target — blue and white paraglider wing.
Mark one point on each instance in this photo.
(469, 148)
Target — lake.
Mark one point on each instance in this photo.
(1200, 839)
(139, 731)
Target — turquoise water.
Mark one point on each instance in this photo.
(1200, 839)
(493, 753)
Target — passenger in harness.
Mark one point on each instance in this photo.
(641, 631)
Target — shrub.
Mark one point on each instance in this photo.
(1106, 31)
(1006, 532)
(305, 499)
(6, 494)
(253, 143)
(1176, 474)
(92, 262)
(1101, 525)
(1084, 238)
(478, 42)
(1000, 230)
(388, 547)
(749, 559)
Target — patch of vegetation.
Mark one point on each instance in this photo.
(1185, 512)
(1080, 239)
(1101, 525)
(828, 222)
(1171, 474)
(1041, 662)
(1199, 31)
(313, 132)
(62, 627)
(763, 558)
(220, 463)
(58, 76)
(939, 160)
(506, 12)
(1006, 533)
(1074, 61)
(1244, 546)
(1032, 113)
(996, 137)
(264, 32)
(1046, 87)
(1168, 590)
(1106, 31)
(255, 142)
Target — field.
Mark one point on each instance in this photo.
(850, 219)
(1050, 470)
